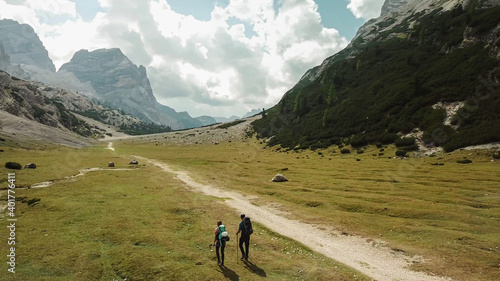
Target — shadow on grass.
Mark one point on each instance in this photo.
(229, 274)
(254, 268)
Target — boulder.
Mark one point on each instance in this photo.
(111, 164)
(30, 166)
(279, 178)
(134, 162)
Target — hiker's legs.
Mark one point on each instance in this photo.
(217, 252)
(247, 243)
(222, 253)
(246, 240)
(241, 247)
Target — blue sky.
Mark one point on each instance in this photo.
(206, 57)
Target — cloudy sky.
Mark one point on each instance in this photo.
(206, 57)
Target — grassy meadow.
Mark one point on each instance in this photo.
(136, 224)
(434, 207)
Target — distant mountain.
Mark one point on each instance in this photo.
(206, 120)
(121, 84)
(23, 46)
(105, 74)
(252, 113)
(226, 119)
(425, 73)
(4, 58)
(59, 108)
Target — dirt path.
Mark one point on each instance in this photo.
(82, 172)
(110, 146)
(367, 256)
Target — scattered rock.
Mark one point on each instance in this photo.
(13, 166)
(279, 178)
(30, 166)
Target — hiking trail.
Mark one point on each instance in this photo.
(369, 257)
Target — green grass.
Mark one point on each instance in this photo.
(140, 224)
(450, 213)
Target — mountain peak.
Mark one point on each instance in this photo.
(23, 45)
(390, 5)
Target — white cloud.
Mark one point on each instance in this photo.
(203, 67)
(366, 9)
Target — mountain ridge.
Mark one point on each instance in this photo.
(118, 82)
(387, 82)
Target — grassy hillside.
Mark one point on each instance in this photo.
(375, 90)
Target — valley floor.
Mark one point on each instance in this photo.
(361, 216)
(370, 257)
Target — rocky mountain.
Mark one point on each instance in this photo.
(252, 113)
(121, 84)
(226, 119)
(61, 109)
(23, 45)
(206, 120)
(4, 58)
(392, 5)
(424, 74)
(105, 74)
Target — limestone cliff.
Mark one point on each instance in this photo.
(23, 45)
(121, 84)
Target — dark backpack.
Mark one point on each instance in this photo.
(247, 226)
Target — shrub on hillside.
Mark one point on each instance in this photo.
(345, 151)
(402, 142)
(401, 153)
(13, 165)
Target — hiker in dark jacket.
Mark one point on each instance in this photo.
(245, 238)
(219, 244)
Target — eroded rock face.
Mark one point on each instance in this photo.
(23, 45)
(390, 5)
(4, 58)
(121, 84)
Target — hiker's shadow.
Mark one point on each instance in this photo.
(254, 268)
(229, 274)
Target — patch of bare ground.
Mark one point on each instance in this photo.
(214, 134)
(20, 130)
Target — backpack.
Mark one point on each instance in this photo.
(223, 235)
(247, 226)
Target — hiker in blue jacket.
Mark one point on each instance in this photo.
(245, 229)
(219, 243)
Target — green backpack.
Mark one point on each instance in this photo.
(223, 235)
